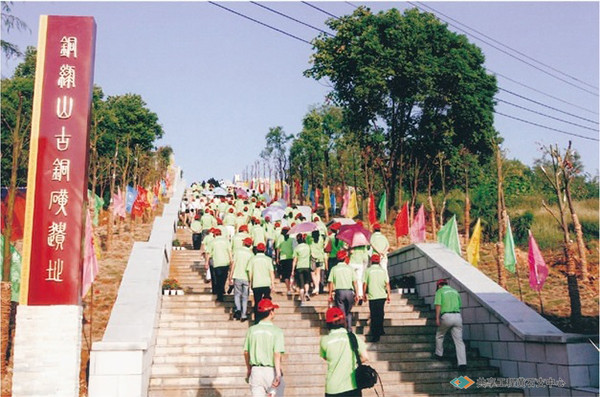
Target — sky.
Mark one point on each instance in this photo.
(218, 82)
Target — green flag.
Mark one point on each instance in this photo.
(510, 258)
(448, 235)
(15, 269)
(382, 206)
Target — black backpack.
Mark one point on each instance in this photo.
(366, 376)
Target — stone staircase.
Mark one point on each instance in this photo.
(199, 346)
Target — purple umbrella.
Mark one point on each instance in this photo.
(354, 235)
(274, 213)
(241, 193)
(304, 227)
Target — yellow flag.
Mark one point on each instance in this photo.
(473, 248)
(352, 205)
(326, 199)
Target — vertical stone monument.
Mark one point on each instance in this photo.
(49, 317)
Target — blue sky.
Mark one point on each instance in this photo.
(218, 82)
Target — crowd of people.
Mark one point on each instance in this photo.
(248, 242)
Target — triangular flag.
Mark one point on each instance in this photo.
(448, 235)
(510, 258)
(372, 214)
(352, 205)
(382, 206)
(417, 230)
(538, 271)
(15, 269)
(401, 223)
(90, 262)
(130, 198)
(473, 248)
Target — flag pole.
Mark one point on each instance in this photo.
(541, 302)
(518, 281)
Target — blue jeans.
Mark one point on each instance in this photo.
(240, 297)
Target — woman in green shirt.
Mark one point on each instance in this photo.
(317, 255)
(285, 256)
(301, 265)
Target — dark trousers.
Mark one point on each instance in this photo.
(377, 307)
(213, 277)
(344, 299)
(221, 277)
(196, 240)
(259, 293)
(349, 393)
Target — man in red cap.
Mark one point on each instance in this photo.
(447, 317)
(342, 280)
(263, 348)
(377, 291)
(285, 256)
(335, 348)
(380, 245)
(261, 275)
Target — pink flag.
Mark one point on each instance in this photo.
(538, 271)
(119, 204)
(90, 263)
(417, 229)
(346, 199)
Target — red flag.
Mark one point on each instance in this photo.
(372, 212)
(401, 223)
(317, 198)
(538, 271)
(90, 262)
(141, 202)
(18, 221)
(417, 230)
(297, 186)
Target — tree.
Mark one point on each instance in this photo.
(276, 150)
(10, 22)
(410, 78)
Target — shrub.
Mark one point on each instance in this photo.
(521, 225)
(170, 283)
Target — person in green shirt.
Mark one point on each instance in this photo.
(220, 253)
(342, 281)
(263, 348)
(380, 245)
(238, 277)
(447, 317)
(238, 238)
(376, 291)
(208, 262)
(359, 259)
(285, 257)
(196, 228)
(261, 275)
(317, 255)
(301, 265)
(335, 348)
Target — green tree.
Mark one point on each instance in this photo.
(10, 22)
(276, 150)
(423, 87)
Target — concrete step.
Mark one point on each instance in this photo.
(280, 318)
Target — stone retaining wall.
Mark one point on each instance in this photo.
(514, 337)
(120, 363)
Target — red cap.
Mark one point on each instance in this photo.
(247, 241)
(341, 255)
(441, 281)
(377, 226)
(285, 228)
(332, 315)
(197, 217)
(261, 247)
(267, 218)
(316, 218)
(216, 231)
(335, 226)
(243, 228)
(375, 258)
(219, 222)
(277, 224)
(298, 215)
(265, 305)
(231, 210)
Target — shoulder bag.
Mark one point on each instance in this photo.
(366, 376)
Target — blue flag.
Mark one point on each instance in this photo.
(130, 198)
(333, 206)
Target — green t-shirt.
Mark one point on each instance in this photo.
(207, 242)
(208, 221)
(229, 219)
(285, 247)
(262, 340)
(237, 241)
(341, 361)
(258, 235)
(359, 255)
(317, 250)
(336, 245)
(380, 243)
(260, 268)
(196, 226)
(241, 257)
(342, 276)
(376, 279)
(302, 252)
(220, 251)
(448, 298)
